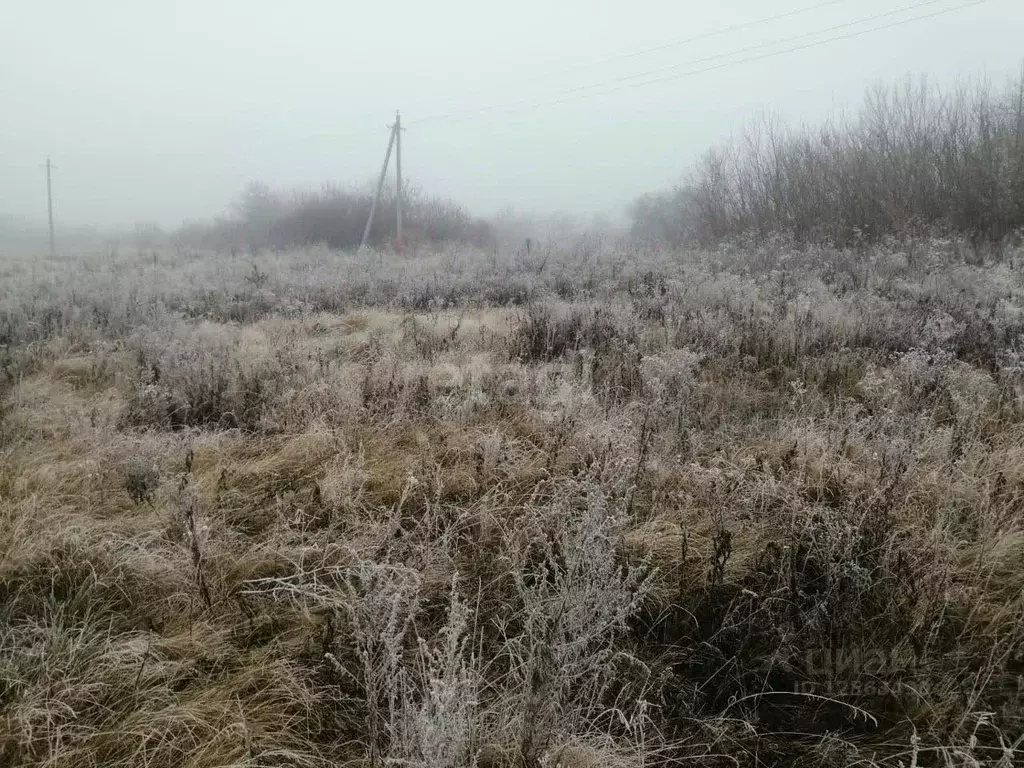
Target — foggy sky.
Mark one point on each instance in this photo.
(162, 111)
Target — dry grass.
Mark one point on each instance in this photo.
(617, 509)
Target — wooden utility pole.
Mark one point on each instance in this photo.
(380, 187)
(398, 177)
(49, 205)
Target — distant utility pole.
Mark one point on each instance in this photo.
(394, 139)
(398, 176)
(49, 205)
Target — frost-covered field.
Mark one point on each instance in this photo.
(593, 506)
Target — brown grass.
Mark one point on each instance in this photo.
(718, 510)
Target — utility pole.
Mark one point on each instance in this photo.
(398, 177)
(380, 186)
(49, 205)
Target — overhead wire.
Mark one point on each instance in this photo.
(576, 93)
(626, 82)
(743, 25)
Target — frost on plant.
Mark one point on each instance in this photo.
(575, 602)
(434, 724)
(383, 602)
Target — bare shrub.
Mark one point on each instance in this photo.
(576, 600)
(206, 383)
(333, 216)
(141, 479)
(616, 375)
(434, 725)
(388, 390)
(545, 334)
(381, 607)
(915, 158)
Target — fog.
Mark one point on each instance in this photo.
(164, 111)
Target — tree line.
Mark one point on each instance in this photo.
(913, 159)
(333, 216)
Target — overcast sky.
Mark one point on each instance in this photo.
(164, 110)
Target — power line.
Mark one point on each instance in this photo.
(574, 94)
(678, 43)
(757, 47)
(361, 135)
(578, 92)
(646, 73)
(793, 49)
(707, 35)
